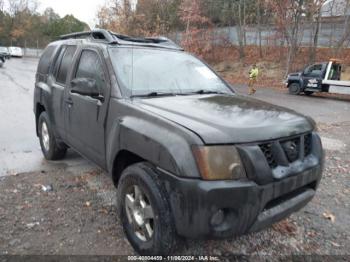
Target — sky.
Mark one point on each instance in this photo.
(84, 10)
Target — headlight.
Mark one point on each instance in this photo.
(219, 162)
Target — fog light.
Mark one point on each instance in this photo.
(217, 218)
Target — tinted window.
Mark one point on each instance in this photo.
(58, 60)
(314, 70)
(65, 64)
(90, 67)
(44, 63)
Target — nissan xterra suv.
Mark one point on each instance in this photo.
(190, 158)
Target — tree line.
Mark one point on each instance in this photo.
(21, 24)
(195, 19)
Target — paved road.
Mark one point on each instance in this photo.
(19, 147)
(327, 109)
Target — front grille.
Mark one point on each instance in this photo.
(290, 147)
(267, 150)
(307, 144)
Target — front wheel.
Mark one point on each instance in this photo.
(294, 89)
(144, 211)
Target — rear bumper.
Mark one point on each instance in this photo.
(246, 206)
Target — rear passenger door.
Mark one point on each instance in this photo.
(58, 81)
(86, 113)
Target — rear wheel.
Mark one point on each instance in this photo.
(144, 211)
(51, 149)
(294, 89)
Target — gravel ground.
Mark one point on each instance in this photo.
(78, 216)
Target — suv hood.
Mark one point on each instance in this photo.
(223, 119)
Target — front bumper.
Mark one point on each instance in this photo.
(247, 206)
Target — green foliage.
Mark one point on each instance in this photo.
(68, 24)
(25, 27)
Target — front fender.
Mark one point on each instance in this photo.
(298, 80)
(158, 141)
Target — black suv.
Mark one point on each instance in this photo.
(189, 156)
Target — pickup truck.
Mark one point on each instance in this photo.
(190, 158)
(321, 77)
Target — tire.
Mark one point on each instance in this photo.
(308, 93)
(158, 236)
(294, 89)
(51, 149)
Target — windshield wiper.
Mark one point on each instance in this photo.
(206, 92)
(154, 94)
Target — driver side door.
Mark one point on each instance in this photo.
(85, 115)
(312, 76)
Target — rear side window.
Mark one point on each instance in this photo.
(44, 63)
(90, 67)
(64, 62)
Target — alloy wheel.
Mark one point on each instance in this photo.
(139, 213)
(45, 136)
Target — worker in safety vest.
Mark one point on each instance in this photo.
(253, 74)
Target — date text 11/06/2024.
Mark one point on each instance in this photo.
(173, 258)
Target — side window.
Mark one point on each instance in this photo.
(314, 70)
(90, 67)
(58, 60)
(44, 63)
(66, 57)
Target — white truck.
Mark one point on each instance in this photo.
(329, 77)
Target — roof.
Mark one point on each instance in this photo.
(108, 37)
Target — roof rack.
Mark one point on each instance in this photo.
(114, 38)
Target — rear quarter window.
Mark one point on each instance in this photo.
(64, 63)
(44, 63)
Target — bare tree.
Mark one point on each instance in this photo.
(288, 21)
(258, 20)
(239, 9)
(346, 28)
(314, 8)
(2, 4)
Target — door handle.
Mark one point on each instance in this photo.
(69, 102)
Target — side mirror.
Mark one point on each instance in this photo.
(85, 87)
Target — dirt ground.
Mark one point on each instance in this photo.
(77, 215)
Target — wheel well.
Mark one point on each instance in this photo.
(38, 110)
(293, 82)
(123, 159)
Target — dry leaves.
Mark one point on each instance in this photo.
(285, 227)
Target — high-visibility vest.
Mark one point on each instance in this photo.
(253, 73)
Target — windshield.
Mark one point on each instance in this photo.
(143, 71)
(3, 49)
